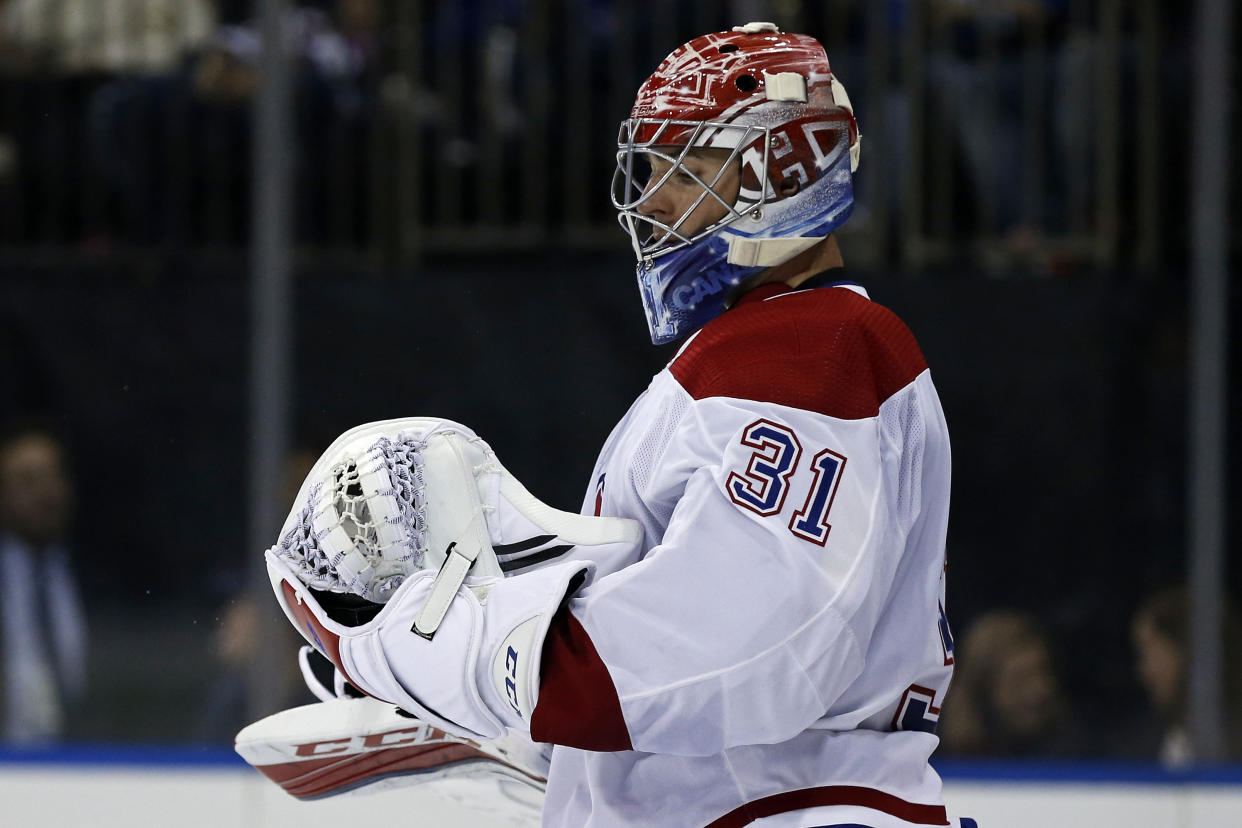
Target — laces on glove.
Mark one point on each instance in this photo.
(340, 688)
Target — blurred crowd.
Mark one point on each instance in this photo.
(1009, 697)
(129, 122)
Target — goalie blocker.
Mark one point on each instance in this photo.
(479, 673)
(409, 511)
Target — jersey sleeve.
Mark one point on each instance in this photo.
(753, 615)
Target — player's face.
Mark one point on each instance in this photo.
(35, 493)
(669, 201)
(1026, 690)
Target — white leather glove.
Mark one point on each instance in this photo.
(475, 677)
(388, 565)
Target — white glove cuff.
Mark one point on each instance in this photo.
(518, 614)
(359, 653)
(476, 676)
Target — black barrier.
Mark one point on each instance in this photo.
(1064, 401)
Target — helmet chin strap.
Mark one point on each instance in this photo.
(768, 252)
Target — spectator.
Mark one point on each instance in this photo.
(980, 82)
(335, 48)
(234, 644)
(1007, 698)
(87, 37)
(140, 127)
(54, 56)
(1161, 635)
(41, 612)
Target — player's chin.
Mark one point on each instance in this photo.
(671, 236)
(658, 239)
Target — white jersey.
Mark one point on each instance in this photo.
(780, 646)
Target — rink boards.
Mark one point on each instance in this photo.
(210, 788)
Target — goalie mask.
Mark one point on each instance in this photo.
(768, 103)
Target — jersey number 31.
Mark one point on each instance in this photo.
(762, 487)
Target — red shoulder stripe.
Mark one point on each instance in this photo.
(826, 350)
(578, 704)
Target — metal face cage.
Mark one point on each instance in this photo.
(672, 142)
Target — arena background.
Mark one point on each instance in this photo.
(208, 262)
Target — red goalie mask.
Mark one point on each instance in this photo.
(733, 78)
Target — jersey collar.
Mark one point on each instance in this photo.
(824, 279)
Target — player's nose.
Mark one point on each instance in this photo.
(654, 202)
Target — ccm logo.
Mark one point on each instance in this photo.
(511, 658)
(374, 741)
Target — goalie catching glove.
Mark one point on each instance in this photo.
(387, 565)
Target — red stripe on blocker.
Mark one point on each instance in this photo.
(320, 777)
(329, 642)
(578, 704)
(833, 795)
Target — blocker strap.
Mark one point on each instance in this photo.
(448, 580)
(458, 558)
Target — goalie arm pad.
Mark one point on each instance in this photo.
(479, 673)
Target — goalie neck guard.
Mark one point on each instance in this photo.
(769, 99)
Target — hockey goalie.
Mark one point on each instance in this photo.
(751, 628)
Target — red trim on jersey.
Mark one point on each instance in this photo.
(923, 694)
(578, 704)
(599, 495)
(827, 350)
(783, 803)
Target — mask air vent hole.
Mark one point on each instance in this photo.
(747, 83)
(728, 47)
